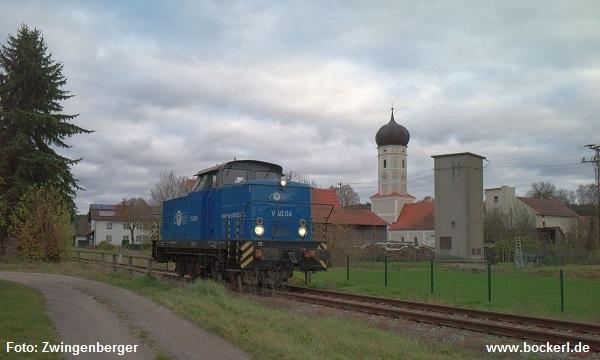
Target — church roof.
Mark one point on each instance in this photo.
(392, 133)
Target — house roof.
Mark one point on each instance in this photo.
(189, 184)
(547, 207)
(325, 196)
(415, 216)
(325, 203)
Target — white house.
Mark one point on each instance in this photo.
(105, 225)
(553, 220)
(415, 224)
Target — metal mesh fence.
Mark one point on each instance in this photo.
(571, 291)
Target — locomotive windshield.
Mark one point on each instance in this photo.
(267, 175)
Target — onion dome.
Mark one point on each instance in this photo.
(392, 133)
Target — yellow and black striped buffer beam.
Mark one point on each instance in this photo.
(323, 246)
(246, 254)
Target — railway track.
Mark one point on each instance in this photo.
(534, 328)
(555, 331)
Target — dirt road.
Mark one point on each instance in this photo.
(86, 312)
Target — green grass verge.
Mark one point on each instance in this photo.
(23, 319)
(532, 291)
(266, 332)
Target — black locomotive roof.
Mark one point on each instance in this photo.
(242, 164)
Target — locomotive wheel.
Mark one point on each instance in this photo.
(180, 266)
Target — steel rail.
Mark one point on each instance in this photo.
(558, 324)
(480, 324)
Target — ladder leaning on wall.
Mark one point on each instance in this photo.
(518, 253)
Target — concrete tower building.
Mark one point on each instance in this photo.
(458, 182)
(392, 140)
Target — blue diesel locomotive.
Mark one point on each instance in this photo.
(242, 222)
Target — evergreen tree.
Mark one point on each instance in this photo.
(31, 123)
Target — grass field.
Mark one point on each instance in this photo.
(530, 291)
(265, 332)
(23, 319)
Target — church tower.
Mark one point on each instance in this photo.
(392, 140)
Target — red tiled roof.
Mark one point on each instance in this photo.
(324, 199)
(415, 216)
(393, 194)
(325, 196)
(547, 207)
(189, 184)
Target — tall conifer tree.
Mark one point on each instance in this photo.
(32, 124)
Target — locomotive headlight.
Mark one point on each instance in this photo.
(259, 230)
(302, 231)
(283, 182)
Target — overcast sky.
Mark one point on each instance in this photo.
(183, 85)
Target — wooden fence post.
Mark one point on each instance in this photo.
(149, 266)
(114, 261)
(130, 264)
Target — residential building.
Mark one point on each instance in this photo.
(415, 224)
(554, 221)
(106, 225)
(355, 225)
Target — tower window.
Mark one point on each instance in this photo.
(403, 163)
(384, 163)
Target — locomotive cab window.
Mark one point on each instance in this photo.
(235, 176)
(207, 182)
(267, 175)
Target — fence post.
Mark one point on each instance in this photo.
(78, 256)
(130, 264)
(114, 261)
(562, 292)
(347, 267)
(489, 274)
(385, 279)
(149, 266)
(431, 276)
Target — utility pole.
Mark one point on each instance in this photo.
(595, 160)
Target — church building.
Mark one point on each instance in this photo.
(392, 140)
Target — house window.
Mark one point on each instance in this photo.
(125, 238)
(415, 239)
(384, 163)
(445, 242)
(124, 226)
(138, 238)
(109, 225)
(109, 238)
(495, 199)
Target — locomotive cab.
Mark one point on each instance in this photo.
(241, 219)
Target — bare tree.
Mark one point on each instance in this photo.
(542, 190)
(346, 195)
(292, 175)
(169, 186)
(586, 194)
(136, 214)
(546, 190)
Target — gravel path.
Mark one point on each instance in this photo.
(86, 312)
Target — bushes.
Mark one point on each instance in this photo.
(41, 223)
(105, 245)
